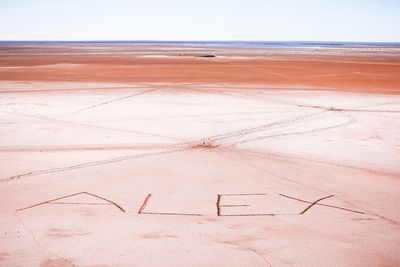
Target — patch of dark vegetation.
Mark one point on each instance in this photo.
(196, 55)
(206, 56)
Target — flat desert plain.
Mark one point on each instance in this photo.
(129, 154)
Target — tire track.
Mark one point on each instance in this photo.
(110, 101)
(267, 126)
(64, 90)
(351, 120)
(88, 164)
(291, 122)
(87, 147)
(86, 125)
(221, 137)
(349, 109)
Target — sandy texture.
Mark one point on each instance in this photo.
(180, 161)
(360, 70)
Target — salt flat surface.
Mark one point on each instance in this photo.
(197, 174)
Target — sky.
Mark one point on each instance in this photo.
(202, 20)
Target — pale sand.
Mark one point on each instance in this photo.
(197, 174)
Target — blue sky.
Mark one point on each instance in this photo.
(268, 20)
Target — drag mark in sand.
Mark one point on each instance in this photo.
(78, 203)
(146, 201)
(219, 206)
(218, 203)
(72, 195)
(312, 204)
(144, 204)
(325, 205)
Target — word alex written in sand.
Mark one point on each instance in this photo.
(220, 206)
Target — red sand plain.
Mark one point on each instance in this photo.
(359, 71)
(149, 155)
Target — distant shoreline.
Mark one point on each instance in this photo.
(256, 44)
(231, 44)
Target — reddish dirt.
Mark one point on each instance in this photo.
(369, 72)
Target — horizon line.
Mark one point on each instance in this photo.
(196, 41)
